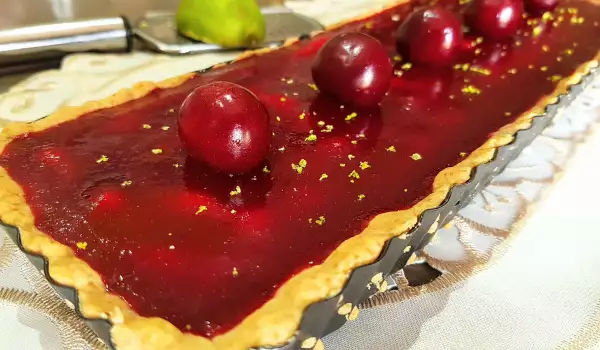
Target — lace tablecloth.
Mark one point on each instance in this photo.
(512, 273)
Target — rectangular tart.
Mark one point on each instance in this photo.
(177, 256)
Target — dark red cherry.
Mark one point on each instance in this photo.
(538, 7)
(431, 36)
(495, 19)
(225, 126)
(353, 67)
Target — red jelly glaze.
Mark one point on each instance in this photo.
(225, 126)
(130, 229)
(354, 67)
(431, 36)
(495, 19)
(538, 7)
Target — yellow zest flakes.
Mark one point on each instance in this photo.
(416, 156)
(462, 154)
(283, 99)
(172, 110)
(465, 67)
(354, 174)
(188, 327)
(369, 25)
(323, 177)
(354, 142)
(342, 165)
(478, 51)
(568, 52)
(543, 68)
(512, 71)
(321, 123)
(177, 165)
(398, 72)
(147, 126)
(289, 81)
(361, 197)
(470, 90)
(278, 118)
(157, 151)
(235, 272)
(545, 48)
(350, 116)
(235, 192)
(555, 78)
(165, 128)
(350, 157)
(480, 70)
(364, 165)
(536, 31)
(300, 166)
(102, 159)
(311, 138)
(266, 170)
(281, 149)
(320, 221)
(532, 22)
(233, 211)
(301, 116)
(328, 128)
(397, 58)
(82, 245)
(406, 66)
(391, 149)
(547, 16)
(577, 20)
(479, 40)
(126, 183)
(572, 10)
(507, 114)
(462, 2)
(201, 209)
(314, 87)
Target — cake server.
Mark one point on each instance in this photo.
(40, 44)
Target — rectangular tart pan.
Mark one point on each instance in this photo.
(326, 316)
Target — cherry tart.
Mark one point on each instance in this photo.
(218, 220)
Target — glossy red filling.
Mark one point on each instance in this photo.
(204, 250)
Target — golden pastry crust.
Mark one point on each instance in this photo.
(276, 321)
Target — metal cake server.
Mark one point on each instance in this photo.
(40, 44)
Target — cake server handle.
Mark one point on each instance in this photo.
(25, 45)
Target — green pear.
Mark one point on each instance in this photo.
(227, 23)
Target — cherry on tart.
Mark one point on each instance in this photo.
(495, 19)
(539, 7)
(353, 67)
(182, 242)
(431, 36)
(225, 126)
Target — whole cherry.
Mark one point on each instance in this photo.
(495, 19)
(538, 7)
(430, 36)
(225, 126)
(353, 67)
